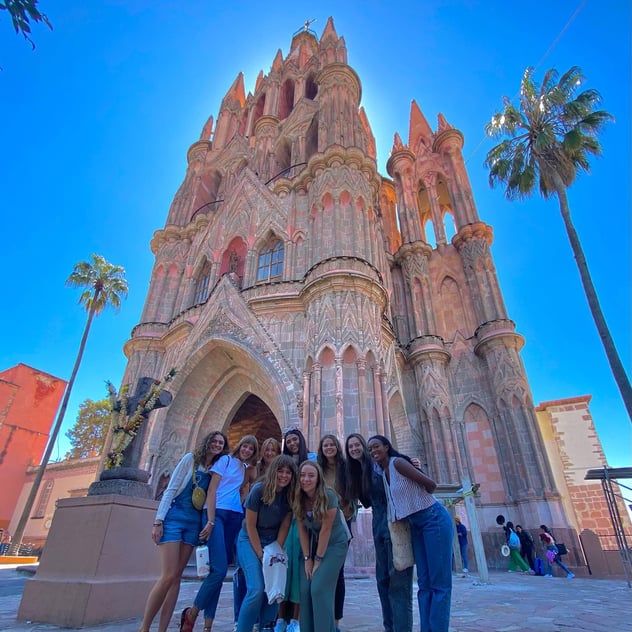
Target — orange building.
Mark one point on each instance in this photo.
(29, 399)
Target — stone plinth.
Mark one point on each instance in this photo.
(99, 563)
(126, 481)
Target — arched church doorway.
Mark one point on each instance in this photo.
(253, 417)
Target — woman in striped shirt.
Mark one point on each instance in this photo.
(409, 494)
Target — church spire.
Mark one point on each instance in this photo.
(329, 34)
(236, 93)
(419, 127)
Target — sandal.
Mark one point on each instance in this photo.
(186, 625)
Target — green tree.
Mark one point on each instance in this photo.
(104, 285)
(22, 13)
(88, 434)
(550, 137)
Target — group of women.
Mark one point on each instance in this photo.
(305, 503)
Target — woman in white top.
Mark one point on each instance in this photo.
(225, 514)
(177, 526)
(409, 496)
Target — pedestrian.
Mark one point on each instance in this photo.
(332, 462)
(324, 541)
(526, 546)
(268, 517)
(177, 526)
(409, 494)
(224, 518)
(461, 532)
(513, 541)
(394, 588)
(552, 553)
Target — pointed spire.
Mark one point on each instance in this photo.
(443, 123)
(236, 92)
(397, 143)
(418, 125)
(259, 80)
(330, 32)
(207, 130)
(277, 64)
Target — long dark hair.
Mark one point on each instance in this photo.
(302, 444)
(358, 472)
(341, 478)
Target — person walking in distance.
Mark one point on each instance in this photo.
(552, 553)
(461, 532)
(526, 546)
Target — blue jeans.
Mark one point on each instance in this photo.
(557, 560)
(432, 531)
(463, 549)
(395, 588)
(255, 605)
(221, 548)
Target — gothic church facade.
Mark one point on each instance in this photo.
(294, 285)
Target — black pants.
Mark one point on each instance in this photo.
(339, 599)
(527, 556)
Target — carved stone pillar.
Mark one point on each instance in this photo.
(379, 411)
(362, 412)
(340, 413)
(314, 427)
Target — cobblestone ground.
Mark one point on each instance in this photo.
(508, 603)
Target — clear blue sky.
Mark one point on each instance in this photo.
(96, 122)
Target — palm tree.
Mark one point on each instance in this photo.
(104, 285)
(550, 137)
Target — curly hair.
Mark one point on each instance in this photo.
(252, 440)
(269, 481)
(199, 455)
(320, 499)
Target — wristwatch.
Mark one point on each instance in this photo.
(306, 557)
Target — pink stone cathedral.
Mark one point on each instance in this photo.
(294, 285)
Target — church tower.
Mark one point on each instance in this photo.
(294, 285)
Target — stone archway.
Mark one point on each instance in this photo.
(221, 384)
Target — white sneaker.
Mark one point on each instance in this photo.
(549, 575)
(281, 626)
(570, 576)
(293, 626)
(465, 570)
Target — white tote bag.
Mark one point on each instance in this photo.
(202, 560)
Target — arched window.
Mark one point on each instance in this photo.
(270, 262)
(201, 286)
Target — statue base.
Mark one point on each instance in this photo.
(125, 481)
(99, 563)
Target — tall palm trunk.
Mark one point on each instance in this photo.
(30, 501)
(612, 354)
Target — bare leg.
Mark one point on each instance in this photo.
(171, 554)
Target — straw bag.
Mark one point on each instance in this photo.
(198, 497)
(402, 544)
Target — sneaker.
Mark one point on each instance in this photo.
(549, 575)
(235, 627)
(281, 625)
(465, 570)
(531, 571)
(255, 627)
(293, 626)
(570, 576)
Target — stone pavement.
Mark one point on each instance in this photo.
(509, 603)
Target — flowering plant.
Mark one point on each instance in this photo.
(125, 425)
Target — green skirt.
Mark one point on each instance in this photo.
(294, 553)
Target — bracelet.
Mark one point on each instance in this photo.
(211, 523)
(157, 524)
(318, 558)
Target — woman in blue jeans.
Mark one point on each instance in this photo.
(177, 526)
(395, 588)
(225, 514)
(268, 516)
(409, 496)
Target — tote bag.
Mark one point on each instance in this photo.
(402, 544)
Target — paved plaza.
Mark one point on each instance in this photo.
(510, 602)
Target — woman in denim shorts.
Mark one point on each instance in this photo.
(177, 526)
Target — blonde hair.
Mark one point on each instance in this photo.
(252, 440)
(269, 481)
(320, 500)
(262, 466)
